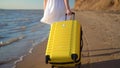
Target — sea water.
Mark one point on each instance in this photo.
(22, 30)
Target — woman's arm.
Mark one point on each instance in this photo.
(68, 10)
(45, 2)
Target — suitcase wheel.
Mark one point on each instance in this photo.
(47, 58)
(52, 66)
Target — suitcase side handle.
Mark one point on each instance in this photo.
(73, 16)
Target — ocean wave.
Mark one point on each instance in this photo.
(2, 14)
(3, 24)
(21, 28)
(11, 41)
(7, 61)
(1, 37)
(22, 19)
(12, 30)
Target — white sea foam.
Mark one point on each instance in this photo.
(20, 59)
(30, 51)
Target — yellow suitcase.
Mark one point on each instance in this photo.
(63, 47)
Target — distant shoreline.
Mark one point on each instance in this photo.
(21, 9)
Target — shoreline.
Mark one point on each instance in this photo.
(36, 59)
(31, 51)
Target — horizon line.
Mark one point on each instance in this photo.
(19, 9)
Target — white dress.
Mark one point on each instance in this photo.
(54, 12)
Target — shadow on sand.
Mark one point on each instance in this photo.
(103, 64)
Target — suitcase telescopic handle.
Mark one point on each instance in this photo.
(73, 16)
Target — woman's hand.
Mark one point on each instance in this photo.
(68, 12)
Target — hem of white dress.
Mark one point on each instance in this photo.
(43, 21)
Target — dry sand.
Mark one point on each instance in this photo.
(101, 36)
(113, 5)
(101, 42)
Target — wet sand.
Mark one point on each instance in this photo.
(101, 46)
(36, 59)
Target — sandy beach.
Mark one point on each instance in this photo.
(101, 46)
